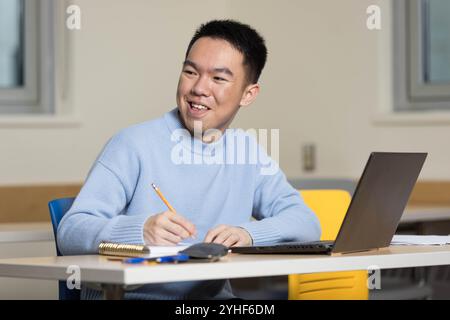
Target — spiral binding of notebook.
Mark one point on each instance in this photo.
(124, 250)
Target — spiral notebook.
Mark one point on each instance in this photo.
(136, 250)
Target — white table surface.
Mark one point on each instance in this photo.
(26, 231)
(425, 214)
(97, 269)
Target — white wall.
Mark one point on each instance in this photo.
(326, 76)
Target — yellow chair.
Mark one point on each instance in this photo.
(330, 207)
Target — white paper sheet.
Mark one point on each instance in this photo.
(411, 240)
(160, 251)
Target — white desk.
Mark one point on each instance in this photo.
(26, 231)
(415, 214)
(114, 276)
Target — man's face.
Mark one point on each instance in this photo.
(212, 85)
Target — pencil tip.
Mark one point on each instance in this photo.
(153, 185)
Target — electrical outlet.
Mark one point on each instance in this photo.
(309, 157)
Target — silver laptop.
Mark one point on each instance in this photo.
(374, 212)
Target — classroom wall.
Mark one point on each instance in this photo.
(326, 77)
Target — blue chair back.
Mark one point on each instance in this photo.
(58, 209)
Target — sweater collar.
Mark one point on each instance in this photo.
(191, 143)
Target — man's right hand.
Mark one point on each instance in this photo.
(167, 228)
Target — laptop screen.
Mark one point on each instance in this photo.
(379, 201)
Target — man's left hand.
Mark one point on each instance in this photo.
(229, 236)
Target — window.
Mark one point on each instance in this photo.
(437, 42)
(26, 56)
(11, 44)
(422, 55)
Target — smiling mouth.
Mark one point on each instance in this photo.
(197, 109)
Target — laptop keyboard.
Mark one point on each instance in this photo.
(310, 245)
(288, 247)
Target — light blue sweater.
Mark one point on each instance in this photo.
(117, 197)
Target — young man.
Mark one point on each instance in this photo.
(214, 200)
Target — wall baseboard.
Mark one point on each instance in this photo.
(30, 203)
(431, 193)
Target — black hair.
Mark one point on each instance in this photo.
(242, 37)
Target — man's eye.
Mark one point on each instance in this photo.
(219, 79)
(189, 72)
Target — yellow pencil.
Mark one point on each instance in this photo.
(163, 198)
(166, 202)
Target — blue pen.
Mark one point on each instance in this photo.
(135, 260)
(176, 258)
(166, 259)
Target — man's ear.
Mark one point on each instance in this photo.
(250, 93)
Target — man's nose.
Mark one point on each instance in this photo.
(201, 87)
